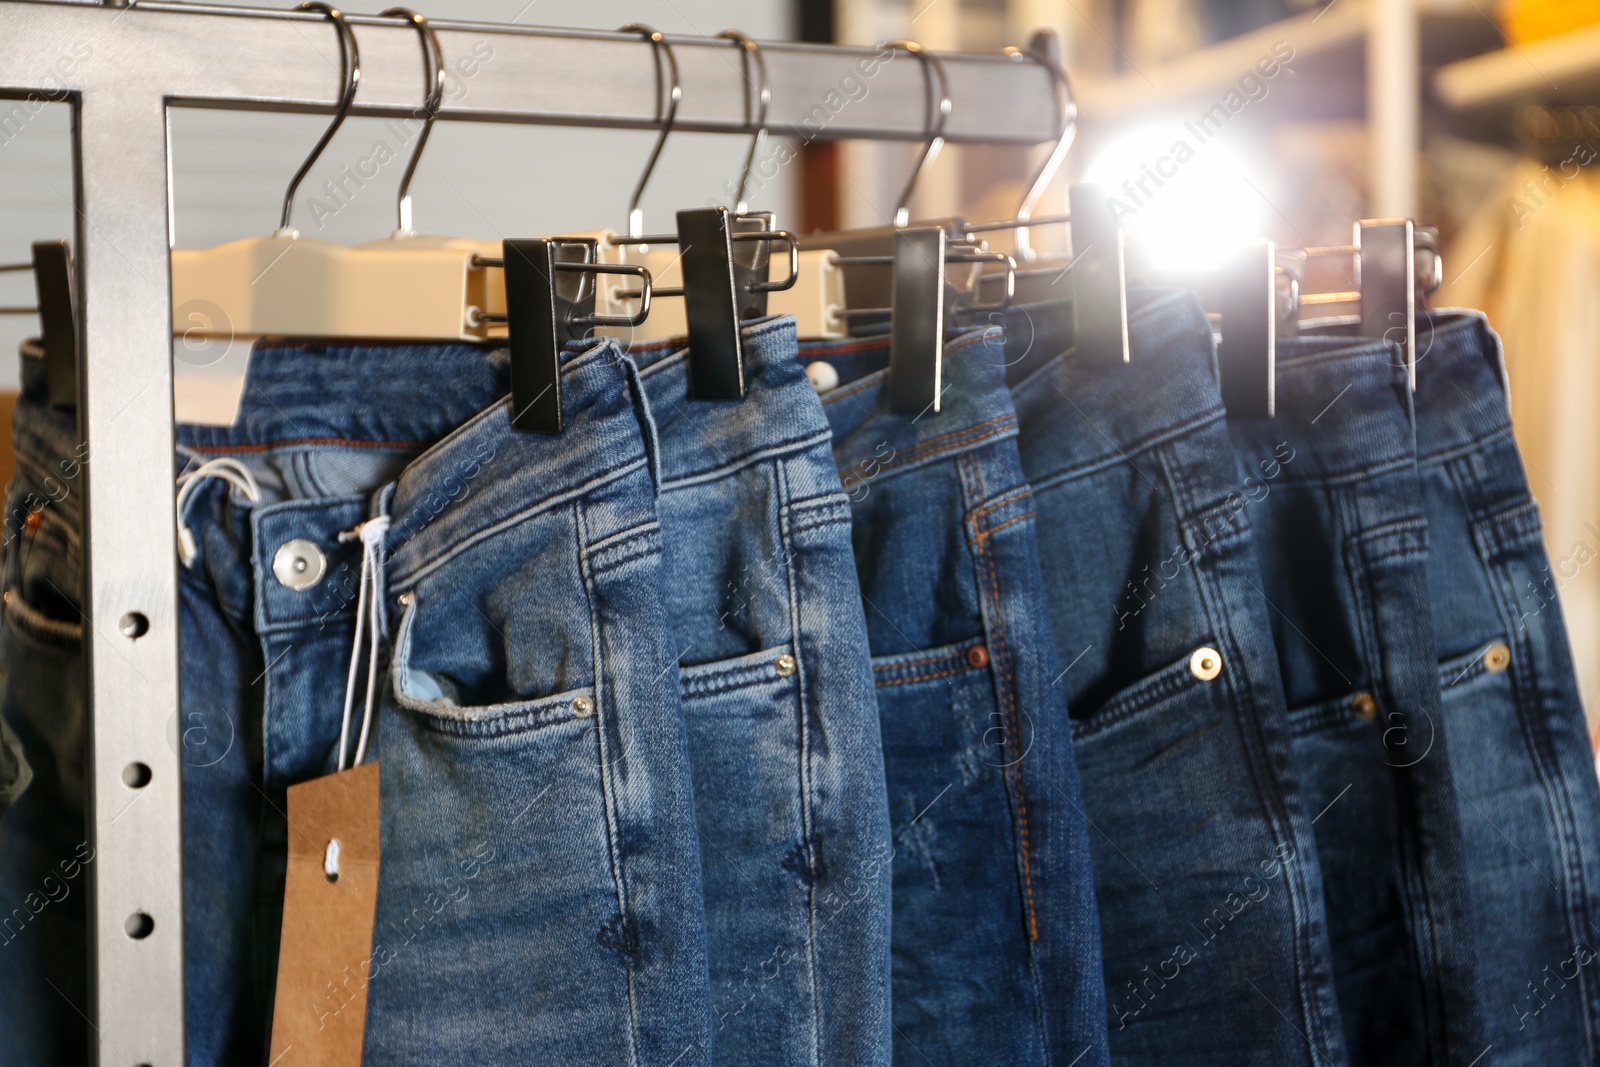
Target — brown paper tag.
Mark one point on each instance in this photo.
(325, 957)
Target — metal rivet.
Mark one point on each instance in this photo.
(30, 525)
(784, 665)
(582, 707)
(978, 656)
(1364, 706)
(9, 596)
(1206, 663)
(824, 376)
(406, 600)
(1497, 657)
(299, 565)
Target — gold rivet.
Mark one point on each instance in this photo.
(978, 656)
(407, 599)
(1206, 663)
(1363, 706)
(784, 665)
(582, 707)
(1497, 657)
(31, 523)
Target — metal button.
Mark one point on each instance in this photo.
(30, 525)
(784, 665)
(1206, 663)
(299, 565)
(1364, 706)
(977, 656)
(582, 707)
(406, 600)
(1497, 657)
(824, 376)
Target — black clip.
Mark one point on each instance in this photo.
(1247, 300)
(1099, 271)
(1386, 277)
(58, 319)
(917, 310)
(550, 294)
(721, 287)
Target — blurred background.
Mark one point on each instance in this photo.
(1287, 119)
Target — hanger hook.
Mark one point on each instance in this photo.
(667, 118)
(932, 67)
(764, 101)
(1069, 129)
(434, 77)
(350, 70)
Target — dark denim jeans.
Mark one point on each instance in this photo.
(996, 937)
(1211, 905)
(1530, 808)
(1331, 487)
(540, 895)
(777, 693)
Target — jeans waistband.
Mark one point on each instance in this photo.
(1352, 400)
(1169, 334)
(712, 436)
(976, 407)
(1461, 384)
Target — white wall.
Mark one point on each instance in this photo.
(230, 168)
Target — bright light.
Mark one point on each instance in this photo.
(1186, 201)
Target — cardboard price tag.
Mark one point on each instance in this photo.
(325, 957)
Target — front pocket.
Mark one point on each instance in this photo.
(436, 697)
(1172, 683)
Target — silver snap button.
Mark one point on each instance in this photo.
(582, 707)
(1206, 663)
(1497, 657)
(299, 565)
(784, 665)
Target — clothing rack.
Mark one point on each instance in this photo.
(121, 67)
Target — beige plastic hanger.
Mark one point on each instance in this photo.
(404, 288)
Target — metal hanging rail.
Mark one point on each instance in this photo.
(121, 68)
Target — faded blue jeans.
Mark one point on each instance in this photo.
(996, 937)
(777, 693)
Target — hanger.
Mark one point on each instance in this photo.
(1096, 267)
(57, 287)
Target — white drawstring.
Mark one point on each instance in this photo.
(229, 470)
(371, 533)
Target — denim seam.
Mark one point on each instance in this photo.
(780, 484)
(559, 501)
(930, 676)
(750, 459)
(300, 443)
(913, 461)
(879, 377)
(1347, 476)
(1001, 675)
(731, 682)
(602, 723)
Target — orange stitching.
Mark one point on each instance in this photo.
(1010, 498)
(922, 677)
(915, 662)
(336, 441)
(1002, 526)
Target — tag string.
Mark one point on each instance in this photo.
(371, 534)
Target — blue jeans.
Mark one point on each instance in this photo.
(1331, 487)
(777, 693)
(1530, 808)
(996, 937)
(1211, 908)
(538, 849)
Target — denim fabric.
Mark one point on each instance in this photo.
(996, 937)
(1530, 807)
(45, 855)
(15, 774)
(1331, 487)
(580, 910)
(777, 694)
(1214, 937)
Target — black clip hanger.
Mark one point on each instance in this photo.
(918, 310)
(1397, 264)
(726, 269)
(1247, 357)
(58, 319)
(550, 293)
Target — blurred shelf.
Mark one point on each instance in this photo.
(1328, 78)
(1557, 70)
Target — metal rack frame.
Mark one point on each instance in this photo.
(145, 59)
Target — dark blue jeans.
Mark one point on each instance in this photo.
(540, 894)
(777, 691)
(1211, 905)
(1530, 808)
(996, 937)
(1330, 484)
